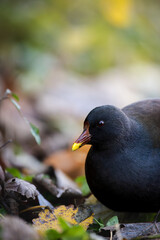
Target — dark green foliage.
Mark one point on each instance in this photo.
(69, 232)
(16, 173)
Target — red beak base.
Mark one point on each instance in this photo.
(83, 139)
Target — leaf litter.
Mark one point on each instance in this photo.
(59, 210)
(20, 186)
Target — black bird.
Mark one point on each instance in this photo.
(123, 165)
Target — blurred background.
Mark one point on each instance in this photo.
(63, 58)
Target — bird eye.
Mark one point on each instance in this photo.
(100, 123)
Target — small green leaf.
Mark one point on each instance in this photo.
(15, 172)
(99, 222)
(9, 92)
(15, 96)
(96, 226)
(76, 232)
(28, 178)
(81, 180)
(69, 232)
(112, 221)
(52, 234)
(15, 104)
(64, 225)
(35, 133)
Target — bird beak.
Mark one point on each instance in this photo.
(83, 139)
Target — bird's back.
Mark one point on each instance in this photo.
(146, 112)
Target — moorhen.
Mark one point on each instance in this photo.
(123, 165)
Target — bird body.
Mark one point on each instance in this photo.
(123, 165)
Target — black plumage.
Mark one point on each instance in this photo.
(123, 165)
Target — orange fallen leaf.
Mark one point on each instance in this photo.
(71, 163)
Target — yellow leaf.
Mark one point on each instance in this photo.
(85, 223)
(118, 12)
(49, 219)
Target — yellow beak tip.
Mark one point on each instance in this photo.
(75, 146)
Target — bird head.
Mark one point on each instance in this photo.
(102, 126)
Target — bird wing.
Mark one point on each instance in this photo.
(146, 112)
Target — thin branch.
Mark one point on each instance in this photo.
(6, 143)
(156, 236)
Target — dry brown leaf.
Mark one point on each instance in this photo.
(24, 188)
(60, 195)
(49, 219)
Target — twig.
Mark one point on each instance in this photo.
(6, 143)
(157, 236)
